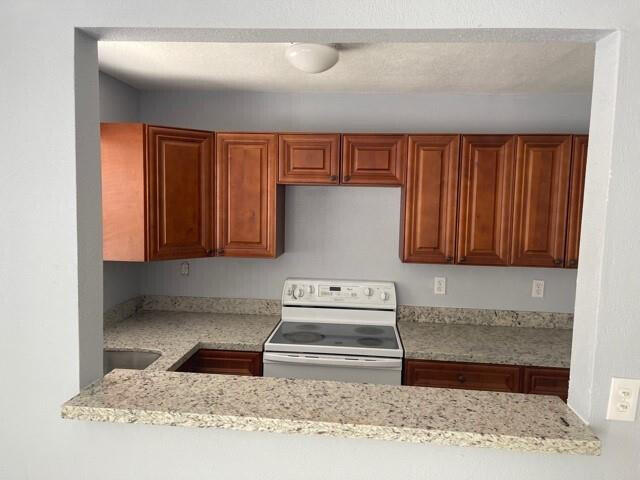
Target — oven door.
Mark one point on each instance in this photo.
(343, 368)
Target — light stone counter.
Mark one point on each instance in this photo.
(410, 414)
(541, 347)
(176, 335)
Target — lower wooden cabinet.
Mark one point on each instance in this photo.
(227, 362)
(468, 376)
(546, 381)
(489, 377)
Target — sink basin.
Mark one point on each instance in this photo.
(132, 360)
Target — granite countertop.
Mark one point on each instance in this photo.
(541, 347)
(176, 335)
(409, 414)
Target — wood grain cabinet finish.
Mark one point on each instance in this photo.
(156, 192)
(486, 199)
(373, 159)
(224, 362)
(180, 193)
(468, 376)
(576, 195)
(249, 203)
(540, 201)
(429, 199)
(309, 159)
(546, 381)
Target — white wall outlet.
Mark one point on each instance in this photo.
(623, 399)
(184, 268)
(537, 289)
(439, 286)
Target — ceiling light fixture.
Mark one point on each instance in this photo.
(312, 57)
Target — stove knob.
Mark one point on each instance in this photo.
(310, 289)
(300, 292)
(384, 296)
(368, 292)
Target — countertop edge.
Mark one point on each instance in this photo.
(346, 430)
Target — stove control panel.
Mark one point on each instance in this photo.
(339, 293)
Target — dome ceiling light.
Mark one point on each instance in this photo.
(312, 57)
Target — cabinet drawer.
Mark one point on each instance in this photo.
(547, 381)
(224, 362)
(469, 376)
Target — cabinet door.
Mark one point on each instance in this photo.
(576, 196)
(224, 362)
(179, 193)
(540, 201)
(468, 376)
(249, 203)
(429, 199)
(309, 159)
(547, 381)
(486, 199)
(373, 159)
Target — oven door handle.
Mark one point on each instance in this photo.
(357, 362)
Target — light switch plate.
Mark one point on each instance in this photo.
(537, 289)
(623, 399)
(439, 286)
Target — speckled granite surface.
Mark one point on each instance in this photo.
(123, 310)
(409, 414)
(249, 306)
(175, 335)
(446, 315)
(541, 347)
(477, 316)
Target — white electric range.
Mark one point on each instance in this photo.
(336, 330)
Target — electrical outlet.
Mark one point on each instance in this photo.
(537, 289)
(184, 268)
(623, 399)
(439, 286)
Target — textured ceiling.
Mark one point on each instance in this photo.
(382, 67)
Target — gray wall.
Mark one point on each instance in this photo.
(354, 232)
(119, 103)
(40, 264)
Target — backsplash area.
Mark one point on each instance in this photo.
(258, 306)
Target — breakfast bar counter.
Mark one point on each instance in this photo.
(353, 410)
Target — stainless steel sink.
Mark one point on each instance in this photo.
(123, 359)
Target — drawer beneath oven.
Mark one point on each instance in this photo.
(386, 371)
(469, 376)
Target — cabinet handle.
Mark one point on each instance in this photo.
(333, 178)
(347, 178)
(462, 259)
(461, 379)
(557, 261)
(220, 251)
(449, 259)
(573, 262)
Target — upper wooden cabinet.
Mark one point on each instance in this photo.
(576, 194)
(540, 201)
(249, 204)
(309, 159)
(427, 232)
(486, 199)
(156, 192)
(373, 159)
